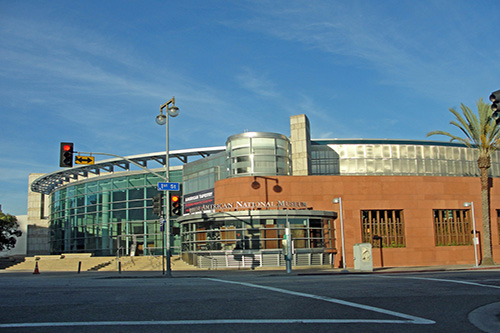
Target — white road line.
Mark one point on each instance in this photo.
(206, 322)
(410, 319)
(441, 280)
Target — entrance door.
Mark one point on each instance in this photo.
(131, 245)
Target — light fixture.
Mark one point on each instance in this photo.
(161, 119)
(339, 201)
(173, 111)
(474, 239)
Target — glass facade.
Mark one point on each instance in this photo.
(397, 158)
(324, 161)
(258, 153)
(202, 174)
(229, 239)
(107, 216)
(267, 234)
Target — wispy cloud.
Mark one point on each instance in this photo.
(90, 80)
(257, 84)
(423, 48)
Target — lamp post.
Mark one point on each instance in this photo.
(339, 201)
(474, 240)
(162, 119)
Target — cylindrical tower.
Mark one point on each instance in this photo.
(258, 153)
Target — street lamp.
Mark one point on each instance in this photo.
(339, 201)
(471, 205)
(162, 119)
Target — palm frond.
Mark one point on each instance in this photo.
(480, 130)
(453, 137)
(466, 132)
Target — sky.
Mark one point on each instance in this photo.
(96, 72)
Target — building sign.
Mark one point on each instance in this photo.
(245, 205)
(195, 202)
(204, 202)
(255, 205)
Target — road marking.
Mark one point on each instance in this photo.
(215, 322)
(442, 280)
(410, 319)
(485, 318)
(208, 322)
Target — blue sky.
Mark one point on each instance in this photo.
(95, 73)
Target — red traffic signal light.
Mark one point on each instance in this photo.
(66, 155)
(175, 205)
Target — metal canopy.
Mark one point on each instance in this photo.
(47, 183)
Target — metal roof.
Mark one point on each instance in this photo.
(316, 142)
(47, 183)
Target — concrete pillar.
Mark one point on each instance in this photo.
(300, 139)
(37, 232)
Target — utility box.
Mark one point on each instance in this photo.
(363, 259)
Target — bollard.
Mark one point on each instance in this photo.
(119, 267)
(79, 267)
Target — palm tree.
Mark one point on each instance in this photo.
(482, 134)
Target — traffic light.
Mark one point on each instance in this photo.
(175, 205)
(66, 155)
(176, 231)
(495, 105)
(158, 205)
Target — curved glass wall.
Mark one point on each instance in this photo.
(108, 215)
(393, 158)
(223, 238)
(258, 153)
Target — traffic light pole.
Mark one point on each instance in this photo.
(170, 111)
(166, 230)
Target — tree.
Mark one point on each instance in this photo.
(9, 230)
(483, 134)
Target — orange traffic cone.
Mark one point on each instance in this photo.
(36, 269)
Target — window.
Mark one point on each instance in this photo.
(324, 161)
(452, 227)
(383, 228)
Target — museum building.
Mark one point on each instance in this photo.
(404, 197)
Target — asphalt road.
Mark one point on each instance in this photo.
(249, 301)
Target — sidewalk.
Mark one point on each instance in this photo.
(272, 271)
(146, 266)
(432, 268)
